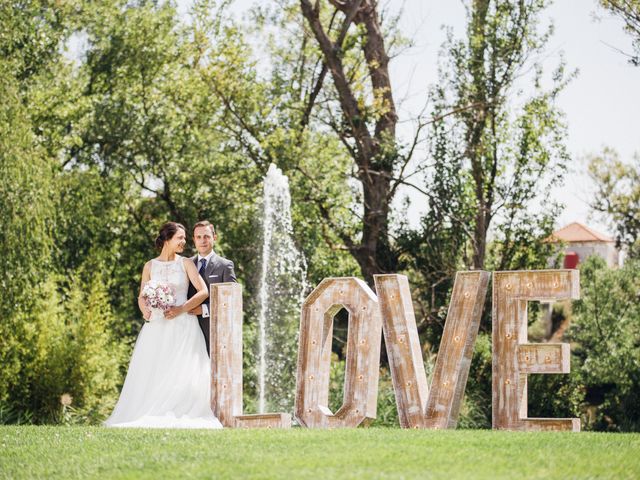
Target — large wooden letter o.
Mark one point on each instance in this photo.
(314, 354)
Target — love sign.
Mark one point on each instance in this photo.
(389, 311)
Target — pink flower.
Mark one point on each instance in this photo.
(159, 296)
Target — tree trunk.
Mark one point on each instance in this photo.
(374, 154)
(374, 254)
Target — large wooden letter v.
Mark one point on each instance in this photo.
(416, 407)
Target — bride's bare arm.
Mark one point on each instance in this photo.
(198, 283)
(146, 276)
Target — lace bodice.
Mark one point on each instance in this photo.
(174, 274)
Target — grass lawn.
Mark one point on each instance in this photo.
(91, 452)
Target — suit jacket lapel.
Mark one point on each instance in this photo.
(211, 266)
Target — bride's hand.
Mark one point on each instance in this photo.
(146, 314)
(173, 312)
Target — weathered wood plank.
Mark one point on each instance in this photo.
(417, 408)
(314, 354)
(544, 358)
(266, 420)
(403, 349)
(456, 349)
(551, 424)
(512, 290)
(226, 351)
(226, 361)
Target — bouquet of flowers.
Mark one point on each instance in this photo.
(159, 297)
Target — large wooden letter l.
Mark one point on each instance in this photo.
(226, 362)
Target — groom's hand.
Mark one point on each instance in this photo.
(173, 312)
(196, 311)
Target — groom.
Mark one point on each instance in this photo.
(212, 268)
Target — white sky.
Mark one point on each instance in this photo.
(602, 105)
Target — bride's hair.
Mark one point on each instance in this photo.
(167, 231)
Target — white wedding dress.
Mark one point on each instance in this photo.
(168, 383)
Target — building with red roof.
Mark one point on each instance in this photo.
(580, 242)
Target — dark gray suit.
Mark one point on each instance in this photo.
(218, 270)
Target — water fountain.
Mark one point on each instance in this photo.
(281, 289)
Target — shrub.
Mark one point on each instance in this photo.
(66, 349)
(605, 330)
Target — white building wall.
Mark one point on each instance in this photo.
(605, 250)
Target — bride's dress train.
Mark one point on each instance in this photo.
(168, 383)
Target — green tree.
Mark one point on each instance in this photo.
(336, 140)
(354, 48)
(269, 117)
(605, 328)
(617, 196)
(141, 147)
(69, 348)
(27, 202)
(510, 160)
(41, 115)
(629, 12)
(28, 51)
(496, 156)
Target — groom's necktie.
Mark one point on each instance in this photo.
(203, 265)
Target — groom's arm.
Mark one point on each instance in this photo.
(204, 306)
(229, 275)
(198, 310)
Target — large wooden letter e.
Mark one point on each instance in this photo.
(513, 357)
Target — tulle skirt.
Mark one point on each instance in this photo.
(168, 384)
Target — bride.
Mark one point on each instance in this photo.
(168, 383)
